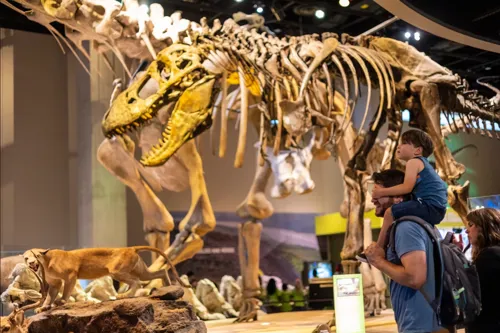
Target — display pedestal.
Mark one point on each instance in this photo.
(349, 303)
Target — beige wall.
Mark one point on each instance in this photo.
(35, 200)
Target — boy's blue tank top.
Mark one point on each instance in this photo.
(429, 186)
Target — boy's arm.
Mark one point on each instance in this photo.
(412, 168)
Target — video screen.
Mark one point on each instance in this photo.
(491, 201)
(320, 269)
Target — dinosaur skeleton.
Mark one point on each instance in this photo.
(196, 61)
(25, 287)
(14, 322)
(116, 154)
(231, 291)
(200, 309)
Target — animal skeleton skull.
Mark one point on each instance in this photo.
(181, 79)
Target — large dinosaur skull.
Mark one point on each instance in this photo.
(180, 78)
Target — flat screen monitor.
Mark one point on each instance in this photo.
(320, 269)
(490, 201)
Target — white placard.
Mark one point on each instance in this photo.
(349, 303)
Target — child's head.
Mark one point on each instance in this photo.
(414, 143)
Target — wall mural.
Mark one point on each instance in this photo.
(288, 239)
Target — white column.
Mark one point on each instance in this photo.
(102, 220)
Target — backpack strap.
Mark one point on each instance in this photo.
(467, 248)
(435, 301)
(410, 218)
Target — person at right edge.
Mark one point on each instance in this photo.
(484, 235)
(429, 191)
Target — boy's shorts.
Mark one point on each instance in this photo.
(428, 212)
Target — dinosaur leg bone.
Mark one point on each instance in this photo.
(254, 207)
(116, 155)
(248, 249)
(200, 218)
(457, 197)
(354, 232)
(358, 161)
(391, 143)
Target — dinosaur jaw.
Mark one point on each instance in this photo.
(175, 70)
(129, 111)
(190, 117)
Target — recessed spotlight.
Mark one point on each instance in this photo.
(344, 3)
(238, 0)
(407, 35)
(416, 35)
(259, 10)
(487, 68)
(319, 13)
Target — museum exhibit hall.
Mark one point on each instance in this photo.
(237, 166)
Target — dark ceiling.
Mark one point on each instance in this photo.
(477, 18)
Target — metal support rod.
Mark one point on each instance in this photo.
(380, 26)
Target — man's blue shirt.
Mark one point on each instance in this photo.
(412, 312)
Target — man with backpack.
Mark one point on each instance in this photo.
(415, 256)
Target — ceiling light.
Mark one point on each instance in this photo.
(416, 35)
(487, 68)
(259, 9)
(407, 35)
(319, 13)
(344, 3)
(238, 0)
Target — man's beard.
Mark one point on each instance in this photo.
(380, 209)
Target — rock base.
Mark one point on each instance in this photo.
(159, 313)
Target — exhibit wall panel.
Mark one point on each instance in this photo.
(34, 156)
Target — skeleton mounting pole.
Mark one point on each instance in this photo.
(380, 26)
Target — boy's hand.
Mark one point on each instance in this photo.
(377, 193)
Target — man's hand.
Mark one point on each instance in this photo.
(375, 254)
